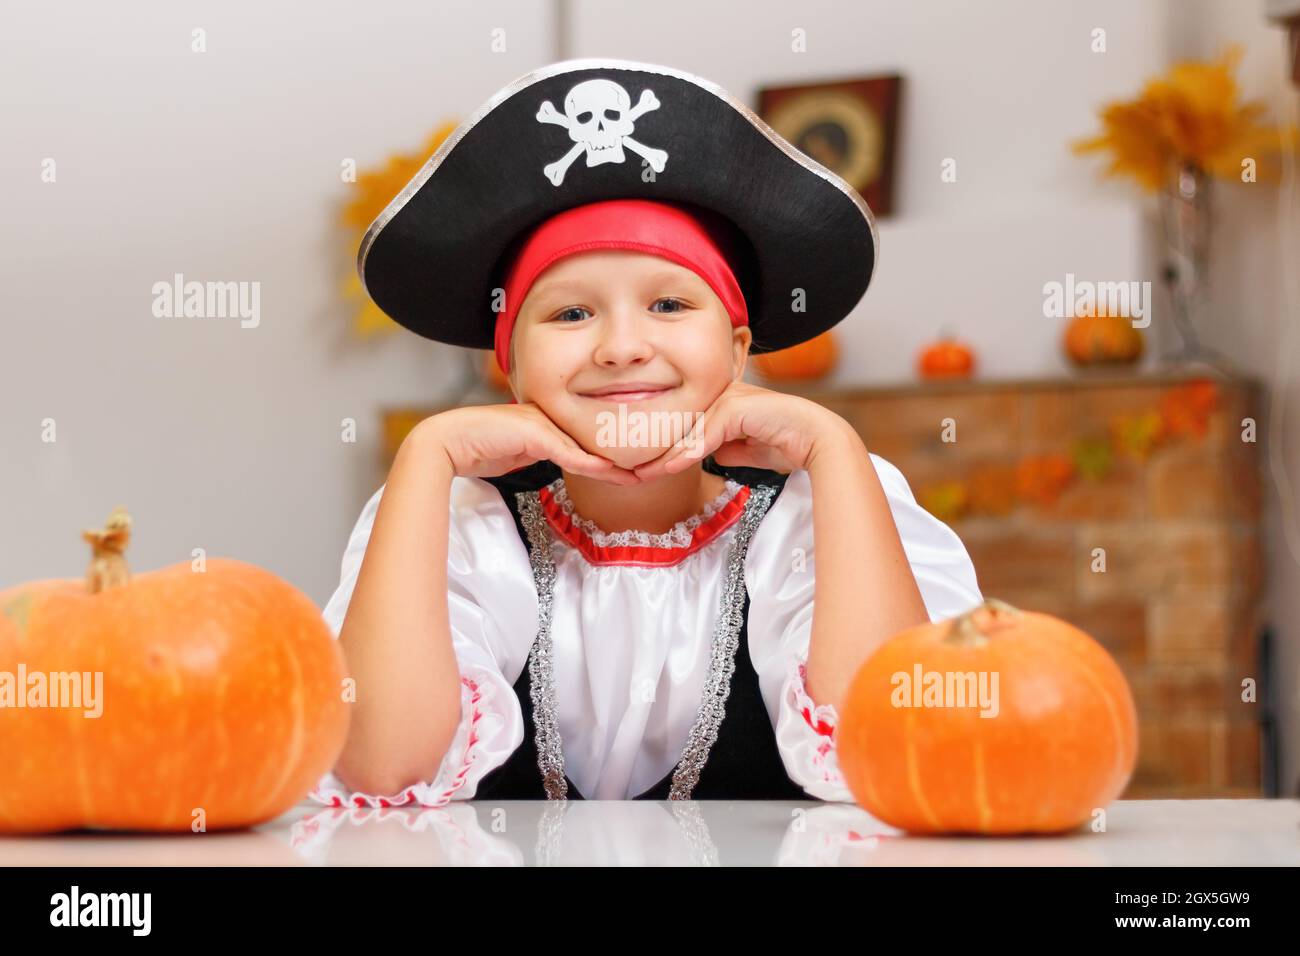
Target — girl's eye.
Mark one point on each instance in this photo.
(672, 301)
(560, 317)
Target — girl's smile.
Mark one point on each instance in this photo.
(628, 392)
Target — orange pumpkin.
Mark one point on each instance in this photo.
(813, 359)
(1094, 339)
(492, 373)
(1060, 741)
(946, 358)
(218, 691)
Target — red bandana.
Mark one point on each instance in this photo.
(661, 228)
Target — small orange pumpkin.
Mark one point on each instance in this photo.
(492, 373)
(813, 359)
(1100, 339)
(946, 358)
(218, 691)
(1061, 741)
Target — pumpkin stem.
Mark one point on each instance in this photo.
(108, 567)
(964, 630)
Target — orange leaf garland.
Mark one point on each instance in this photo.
(992, 490)
(946, 500)
(1042, 478)
(1136, 435)
(1092, 457)
(1186, 410)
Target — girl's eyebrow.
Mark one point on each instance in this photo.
(547, 287)
(558, 285)
(661, 278)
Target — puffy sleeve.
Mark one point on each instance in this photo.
(780, 578)
(492, 605)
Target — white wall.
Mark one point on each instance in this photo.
(225, 166)
(220, 166)
(1002, 87)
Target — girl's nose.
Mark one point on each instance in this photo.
(623, 337)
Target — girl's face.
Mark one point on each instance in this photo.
(614, 317)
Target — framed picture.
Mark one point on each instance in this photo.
(849, 126)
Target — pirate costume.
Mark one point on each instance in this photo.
(629, 664)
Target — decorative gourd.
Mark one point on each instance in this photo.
(1061, 741)
(807, 360)
(219, 696)
(1094, 339)
(492, 374)
(946, 358)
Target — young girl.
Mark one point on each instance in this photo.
(558, 598)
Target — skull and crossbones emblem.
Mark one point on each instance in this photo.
(600, 118)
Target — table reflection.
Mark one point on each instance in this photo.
(646, 833)
(684, 833)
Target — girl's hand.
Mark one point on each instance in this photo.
(752, 427)
(483, 441)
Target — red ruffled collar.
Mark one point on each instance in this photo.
(640, 547)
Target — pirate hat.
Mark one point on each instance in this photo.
(582, 131)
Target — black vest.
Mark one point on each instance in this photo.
(743, 763)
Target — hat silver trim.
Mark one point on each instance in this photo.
(570, 66)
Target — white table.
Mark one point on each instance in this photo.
(523, 833)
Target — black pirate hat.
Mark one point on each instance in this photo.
(581, 131)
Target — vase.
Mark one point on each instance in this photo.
(1185, 214)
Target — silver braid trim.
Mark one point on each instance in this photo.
(722, 660)
(726, 638)
(550, 753)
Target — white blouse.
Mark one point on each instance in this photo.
(632, 626)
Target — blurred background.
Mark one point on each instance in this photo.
(251, 143)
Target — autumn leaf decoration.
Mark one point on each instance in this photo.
(1136, 435)
(1183, 413)
(946, 500)
(1190, 114)
(1186, 410)
(1093, 457)
(1042, 478)
(374, 190)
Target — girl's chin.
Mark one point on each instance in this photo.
(625, 457)
(629, 458)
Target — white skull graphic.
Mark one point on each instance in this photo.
(600, 119)
(598, 116)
